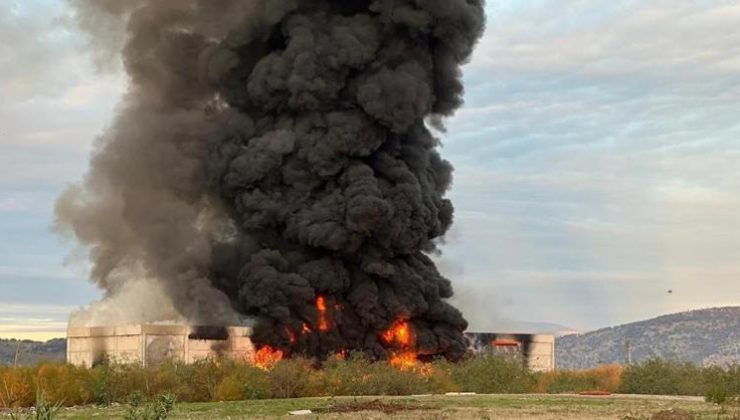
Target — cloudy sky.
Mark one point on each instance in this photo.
(597, 162)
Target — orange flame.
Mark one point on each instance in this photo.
(403, 360)
(321, 303)
(400, 336)
(267, 357)
(323, 318)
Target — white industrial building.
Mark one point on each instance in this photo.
(150, 344)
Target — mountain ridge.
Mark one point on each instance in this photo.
(28, 352)
(708, 336)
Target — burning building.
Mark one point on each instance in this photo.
(149, 344)
(275, 161)
(537, 351)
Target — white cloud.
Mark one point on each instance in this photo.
(597, 160)
(678, 39)
(33, 321)
(33, 272)
(36, 58)
(53, 103)
(12, 308)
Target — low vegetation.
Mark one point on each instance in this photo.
(152, 390)
(604, 379)
(666, 377)
(157, 408)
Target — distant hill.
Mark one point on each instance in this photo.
(704, 337)
(31, 352)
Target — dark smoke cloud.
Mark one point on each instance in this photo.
(270, 152)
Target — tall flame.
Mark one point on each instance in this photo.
(323, 317)
(267, 356)
(399, 335)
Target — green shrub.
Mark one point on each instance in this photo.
(385, 379)
(163, 378)
(158, 408)
(289, 378)
(438, 377)
(356, 375)
(606, 378)
(46, 410)
(244, 382)
(716, 396)
(572, 382)
(346, 376)
(662, 377)
(200, 379)
(667, 377)
(97, 385)
(491, 374)
(63, 384)
(722, 385)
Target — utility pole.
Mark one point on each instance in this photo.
(628, 351)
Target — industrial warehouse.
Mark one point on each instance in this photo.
(151, 344)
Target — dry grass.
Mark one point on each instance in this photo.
(437, 407)
(602, 379)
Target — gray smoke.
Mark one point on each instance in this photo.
(270, 152)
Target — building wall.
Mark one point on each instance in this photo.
(537, 350)
(152, 344)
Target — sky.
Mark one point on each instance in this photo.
(597, 162)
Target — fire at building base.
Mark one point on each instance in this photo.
(150, 344)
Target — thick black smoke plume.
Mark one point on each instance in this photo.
(270, 153)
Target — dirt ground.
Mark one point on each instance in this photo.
(515, 407)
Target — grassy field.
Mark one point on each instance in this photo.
(437, 407)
